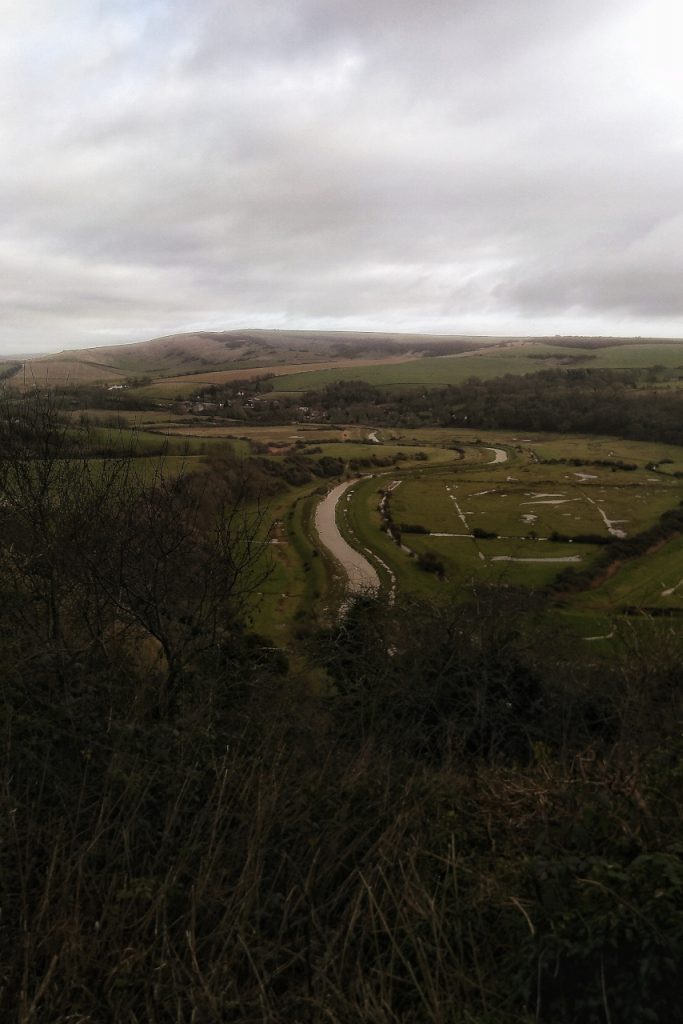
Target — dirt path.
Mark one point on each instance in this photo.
(361, 575)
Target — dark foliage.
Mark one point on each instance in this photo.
(589, 401)
(462, 826)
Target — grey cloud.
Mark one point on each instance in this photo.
(509, 164)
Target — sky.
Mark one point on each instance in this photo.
(447, 166)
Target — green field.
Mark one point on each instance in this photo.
(523, 502)
(490, 362)
(451, 495)
(654, 582)
(447, 489)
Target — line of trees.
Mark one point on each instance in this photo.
(590, 401)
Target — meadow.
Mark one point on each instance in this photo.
(520, 523)
(514, 523)
(166, 369)
(489, 362)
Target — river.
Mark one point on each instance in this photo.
(499, 455)
(361, 575)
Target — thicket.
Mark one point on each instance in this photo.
(459, 823)
(590, 401)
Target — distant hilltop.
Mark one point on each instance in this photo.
(270, 351)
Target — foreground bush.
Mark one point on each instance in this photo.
(461, 827)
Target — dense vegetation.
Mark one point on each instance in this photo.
(455, 822)
(563, 401)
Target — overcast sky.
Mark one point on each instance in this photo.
(455, 166)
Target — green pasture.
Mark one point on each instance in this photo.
(629, 356)
(169, 391)
(148, 468)
(139, 443)
(298, 576)
(130, 417)
(349, 451)
(512, 562)
(523, 503)
(622, 357)
(359, 520)
(521, 500)
(534, 501)
(591, 448)
(430, 371)
(425, 502)
(490, 362)
(284, 435)
(654, 581)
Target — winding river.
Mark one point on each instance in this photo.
(361, 576)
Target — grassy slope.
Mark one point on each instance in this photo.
(202, 354)
(206, 351)
(495, 361)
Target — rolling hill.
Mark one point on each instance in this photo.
(205, 351)
(187, 357)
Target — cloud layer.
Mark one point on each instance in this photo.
(502, 166)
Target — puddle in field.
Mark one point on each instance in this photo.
(551, 501)
(512, 558)
(611, 524)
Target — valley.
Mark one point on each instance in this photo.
(363, 643)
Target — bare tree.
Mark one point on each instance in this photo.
(95, 555)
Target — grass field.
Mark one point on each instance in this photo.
(490, 362)
(179, 364)
(454, 490)
(523, 501)
(652, 582)
(246, 372)
(298, 578)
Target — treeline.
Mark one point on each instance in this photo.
(431, 816)
(592, 401)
